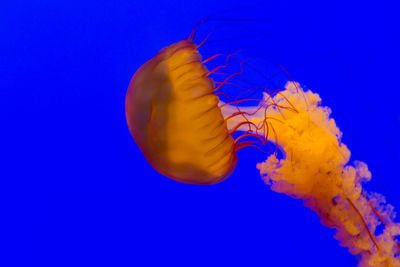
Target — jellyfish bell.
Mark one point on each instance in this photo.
(175, 120)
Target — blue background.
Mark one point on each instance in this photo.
(76, 189)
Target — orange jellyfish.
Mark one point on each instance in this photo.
(174, 118)
(187, 133)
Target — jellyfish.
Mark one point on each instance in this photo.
(177, 117)
(173, 115)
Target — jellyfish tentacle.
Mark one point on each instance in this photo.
(234, 129)
(192, 35)
(249, 144)
(295, 84)
(236, 114)
(379, 216)
(223, 66)
(240, 101)
(363, 222)
(205, 39)
(263, 141)
(230, 83)
(211, 58)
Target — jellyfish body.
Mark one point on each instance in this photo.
(175, 120)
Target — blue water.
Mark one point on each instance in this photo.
(76, 190)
